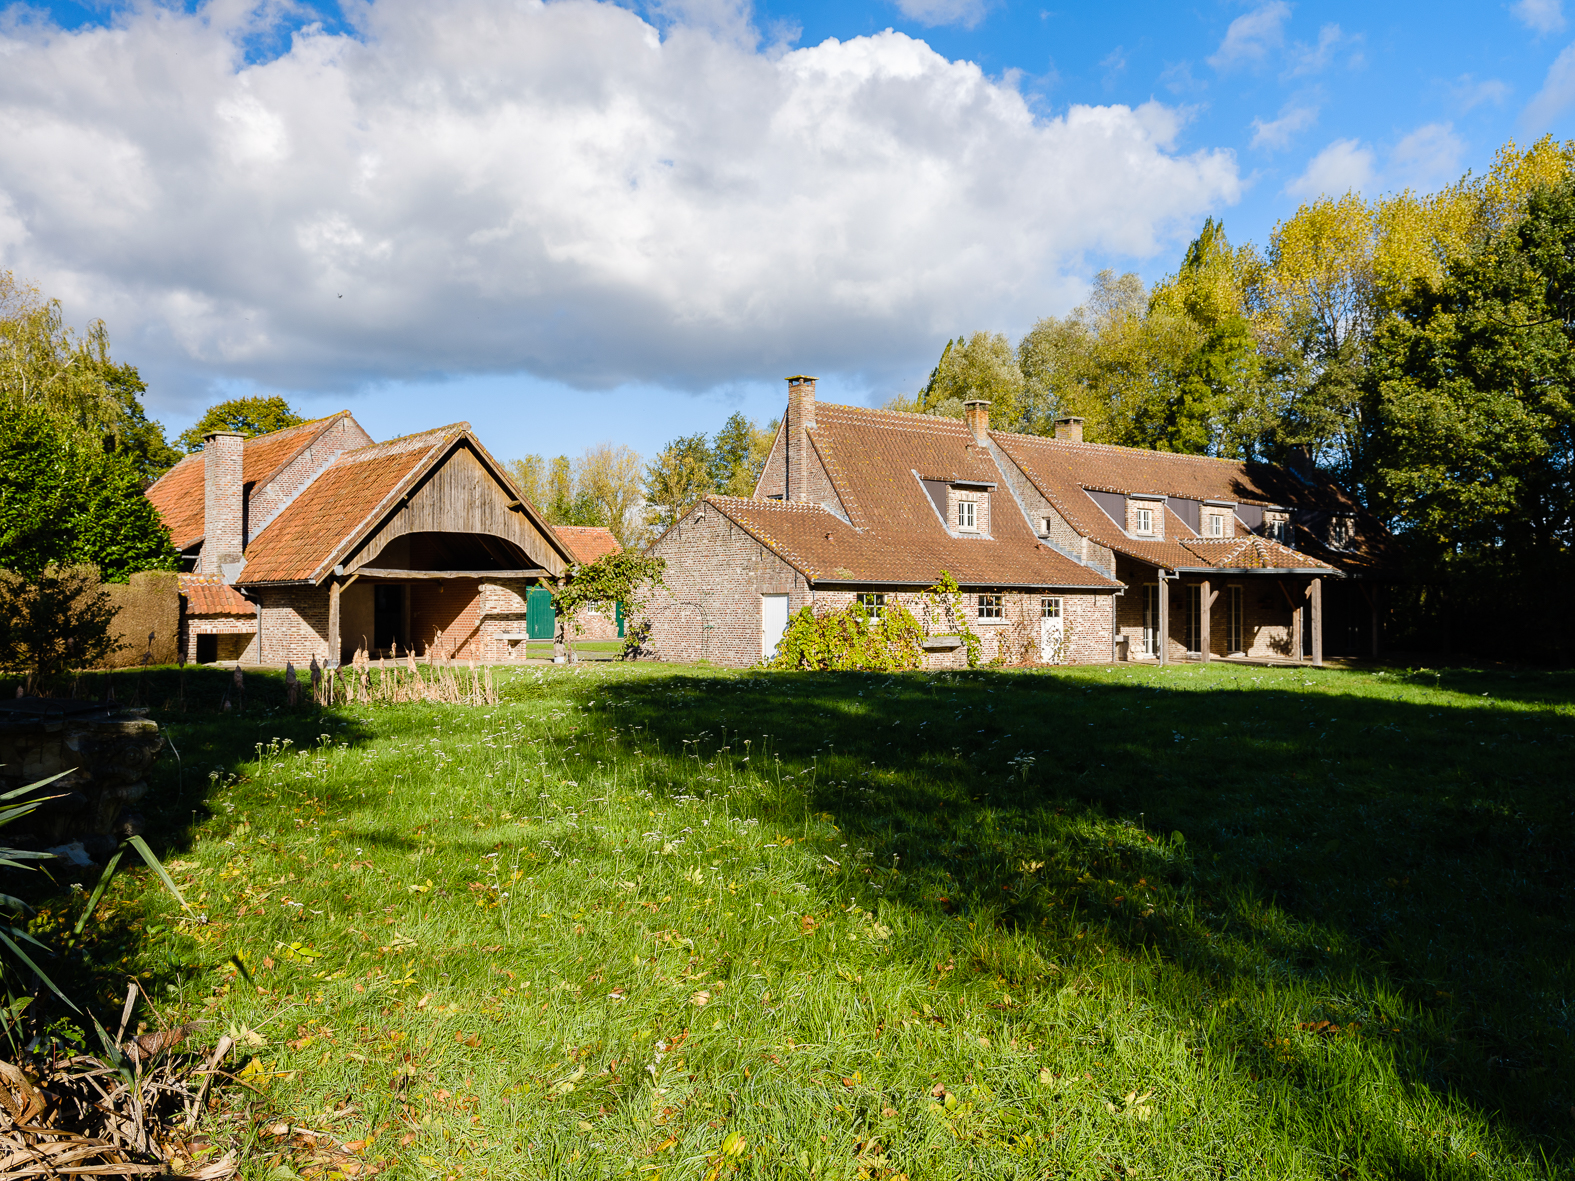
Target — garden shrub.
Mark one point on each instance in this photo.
(851, 639)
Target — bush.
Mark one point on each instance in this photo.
(59, 619)
(851, 639)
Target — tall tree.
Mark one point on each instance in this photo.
(678, 477)
(252, 416)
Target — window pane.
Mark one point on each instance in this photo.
(1050, 608)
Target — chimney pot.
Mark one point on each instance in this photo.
(800, 419)
(976, 414)
(1069, 429)
(223, 509)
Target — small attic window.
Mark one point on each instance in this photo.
(1143, 520)
(967, 515)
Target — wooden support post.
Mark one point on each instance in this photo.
(1315, 597)
(333, 623)
(1378, 621)
(1164, 618)
(1205, 601)
(1296, 627)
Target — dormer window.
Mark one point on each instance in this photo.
(967, 516)
(1342, 532)
(1214, 525)
(1143, 520)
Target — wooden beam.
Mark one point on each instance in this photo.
(333, 623)
(489, 575)
(1164, 618)
(1205, 601)
(1315, 596)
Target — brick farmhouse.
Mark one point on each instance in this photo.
(1066, 551)
(316, 542)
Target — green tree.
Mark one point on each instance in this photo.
(250, 416)
(678, 477)
(738, 455)
(1472, 396)
(982, 366)
(65, 501)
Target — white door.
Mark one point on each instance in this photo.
(1050, 631)
(773, 622)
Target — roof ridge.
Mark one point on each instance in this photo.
(878, 410)
(1071, 444)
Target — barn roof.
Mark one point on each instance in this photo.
(587, 542)
(178, 493)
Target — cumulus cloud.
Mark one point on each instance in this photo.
(966, 13)
(1556, 95)
(1428, 155)
(1543, 16)
(553, 188)
(1251, 36)
(1344, 164)
(1277, 133)
(1312, 59)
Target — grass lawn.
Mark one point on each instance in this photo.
(542, 649)
(1210, 922)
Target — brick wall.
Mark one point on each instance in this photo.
(710, 608)
(818, 488)
(981, 502)
(294, 624)
(238, 636)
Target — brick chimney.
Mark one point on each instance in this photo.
(800, 418)
(1069, 429)
(222, 497)
(977, 415)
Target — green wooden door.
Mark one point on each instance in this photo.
(618, 615)
(541, 621)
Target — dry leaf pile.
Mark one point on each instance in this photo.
(84, 1117)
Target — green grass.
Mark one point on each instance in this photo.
(1111, 922)
(540, 649)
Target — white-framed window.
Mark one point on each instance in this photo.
(1151, 619)
(1049, 608)
(966, 515)
(1143, 518)
(1216, 525)
(991, 608)
(1277, 529)
(874, 604)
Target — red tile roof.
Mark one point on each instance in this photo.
(335, 511)
(178, 493)
(893, 535)
(587, 542)
(208, 594)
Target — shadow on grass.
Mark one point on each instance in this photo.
(1380, 860)
(1391, 864)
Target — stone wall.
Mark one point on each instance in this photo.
(108, 755)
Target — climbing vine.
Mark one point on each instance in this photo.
(626, 576)
(851, 639)
(945, 600)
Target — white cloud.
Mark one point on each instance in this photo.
(553, 188)
(1557, 93)
(1344, 164)
(1544, 16)
(966, 13)
(1428, 155)
(1277, 133)
(1311, 59)
(1469, 93)
(1251, 36)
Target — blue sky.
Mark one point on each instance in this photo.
(578, 224)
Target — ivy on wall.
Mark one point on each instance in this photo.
(944, 603)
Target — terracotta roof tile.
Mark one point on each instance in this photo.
(895, 535)
(302, 543)
(208, 594)
(586, 543)
(1063, 471)
(178, 493)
